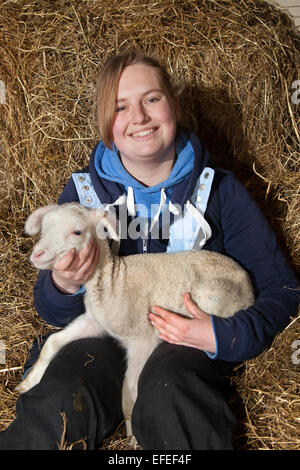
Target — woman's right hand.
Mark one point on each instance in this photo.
(74, 269)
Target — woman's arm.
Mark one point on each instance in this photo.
(250, 241)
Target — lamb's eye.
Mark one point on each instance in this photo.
(77, 232)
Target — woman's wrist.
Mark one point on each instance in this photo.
(63, 286)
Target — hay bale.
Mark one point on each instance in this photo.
(238, 61)
(270, 388)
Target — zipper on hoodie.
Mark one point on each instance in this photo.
(145, 245)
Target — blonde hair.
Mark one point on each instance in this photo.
(107, 88)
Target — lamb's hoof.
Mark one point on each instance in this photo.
(24, 386)
(21, 388)
(132, 442)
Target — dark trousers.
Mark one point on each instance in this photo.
(181, 400)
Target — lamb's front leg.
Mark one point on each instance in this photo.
(83, 326)
(138, 351)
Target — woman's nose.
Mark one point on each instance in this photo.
(139, 115)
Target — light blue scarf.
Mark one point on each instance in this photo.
(109, 166)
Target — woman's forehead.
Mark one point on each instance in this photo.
(138, 79)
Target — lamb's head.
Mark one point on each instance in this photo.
(64, 227)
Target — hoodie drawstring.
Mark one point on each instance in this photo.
(118, 202)
(194, 212)
(201, 220)
(163, 199)
(130, 201)
(131, 205)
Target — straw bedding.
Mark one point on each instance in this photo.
(237, 60)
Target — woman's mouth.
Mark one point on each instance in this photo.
(144, 133)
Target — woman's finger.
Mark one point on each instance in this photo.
(66, 261)
(90, 264)
(167, 322)
(73, 261)
(192, 307)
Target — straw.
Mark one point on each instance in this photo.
(238, 61)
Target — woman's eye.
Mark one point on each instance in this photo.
(77, 232)
(120, 108)
(152, 100)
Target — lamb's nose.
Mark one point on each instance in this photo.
(37, 254)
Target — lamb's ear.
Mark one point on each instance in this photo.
(106, 225)
(33, 224)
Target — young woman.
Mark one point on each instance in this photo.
(147, 167)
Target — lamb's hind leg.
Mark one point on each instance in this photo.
(83, 326)
(138, 351)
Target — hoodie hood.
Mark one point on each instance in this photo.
(116, 186)
(184, 174)
(109, 166)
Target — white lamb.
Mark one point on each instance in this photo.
(123, 290)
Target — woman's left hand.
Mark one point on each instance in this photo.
(196, 332)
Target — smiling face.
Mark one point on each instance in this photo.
(146, 117)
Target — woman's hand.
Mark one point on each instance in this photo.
(74, 269)
(196, 332)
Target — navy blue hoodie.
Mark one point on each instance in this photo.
(239, 230)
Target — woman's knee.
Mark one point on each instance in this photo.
(85, 374)
(179, 392)
(80, 390)
(172, 364)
